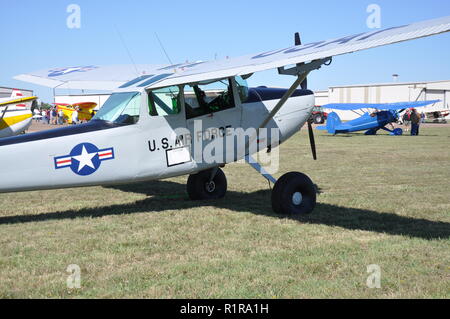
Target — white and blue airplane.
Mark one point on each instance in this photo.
(164, 121)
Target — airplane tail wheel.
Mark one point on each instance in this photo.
(201, 187)
(294, 194)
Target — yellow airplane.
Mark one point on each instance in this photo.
(15, 116)
(85, 110)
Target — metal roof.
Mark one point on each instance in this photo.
(388, 84)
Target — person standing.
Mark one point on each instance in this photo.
(407, 119)
(55, 116)
(52, 116)
(61, 117)
(47, 116)
(415, 122)
(75, 116)
(36, 114)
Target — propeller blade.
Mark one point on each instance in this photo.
(298, 41)
(312, 140)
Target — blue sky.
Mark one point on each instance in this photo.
(35, 36)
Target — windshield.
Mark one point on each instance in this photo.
(120, 108)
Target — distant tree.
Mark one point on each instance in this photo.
(45, 106)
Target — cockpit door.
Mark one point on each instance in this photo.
(213, 111)
(168, 153)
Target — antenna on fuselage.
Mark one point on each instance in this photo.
(164, 50)
(126, 48)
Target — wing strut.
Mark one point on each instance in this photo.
(4, 112)
(301, 72)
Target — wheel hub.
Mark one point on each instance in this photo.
(297, 198)
(210, 186)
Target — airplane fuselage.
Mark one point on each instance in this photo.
(369, 121)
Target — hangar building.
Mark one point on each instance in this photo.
(387, 93)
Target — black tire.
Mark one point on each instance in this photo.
(285, 198)
(198, 186)
(318, 119)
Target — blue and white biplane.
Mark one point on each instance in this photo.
(371, 122)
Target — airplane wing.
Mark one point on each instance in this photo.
(85, 105)
(110, 77)
(18, 101)
(385, 106)
(90, 77)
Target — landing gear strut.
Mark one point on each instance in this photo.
(293, 194)
(209, 184)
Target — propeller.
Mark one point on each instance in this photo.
(304, 86)
(312, 141)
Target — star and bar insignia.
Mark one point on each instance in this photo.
(84, 159)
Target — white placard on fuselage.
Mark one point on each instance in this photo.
(178, 156)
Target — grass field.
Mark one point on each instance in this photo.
(383, 200)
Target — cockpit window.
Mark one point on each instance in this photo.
(122, 108)
(208, 97)
(165, 101)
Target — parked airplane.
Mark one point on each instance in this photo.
(167, 121)
(438, 116)
(371, 122)
(15, 116)
(85, 110)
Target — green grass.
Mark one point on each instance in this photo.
(383, 200)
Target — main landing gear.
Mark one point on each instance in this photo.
(293, 194)
(210, 184)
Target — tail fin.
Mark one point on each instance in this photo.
(333, 120)
(16, 94)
